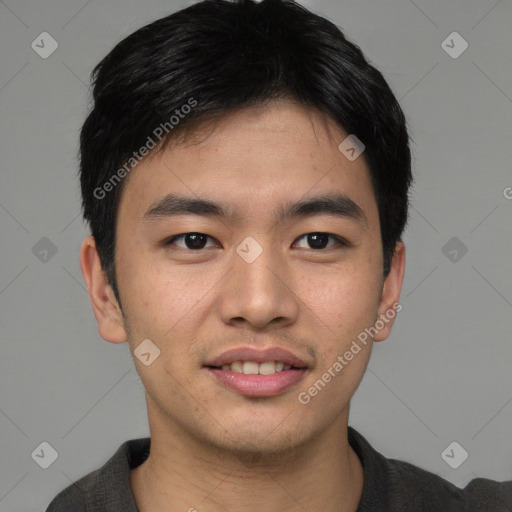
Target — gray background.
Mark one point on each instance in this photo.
(443, 376)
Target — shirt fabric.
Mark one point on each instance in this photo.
(389, 485)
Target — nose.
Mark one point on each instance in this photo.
(259, 293)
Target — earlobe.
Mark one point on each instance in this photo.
(389, 304)
(104, 304)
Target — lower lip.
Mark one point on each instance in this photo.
(258, 385)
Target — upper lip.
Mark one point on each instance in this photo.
(258, 356)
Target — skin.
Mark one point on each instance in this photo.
(213, 449)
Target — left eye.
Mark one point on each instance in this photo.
(319, 240)
(197, 241)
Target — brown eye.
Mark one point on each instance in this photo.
(319, 241)
(193, 241)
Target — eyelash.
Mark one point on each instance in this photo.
(340, 241)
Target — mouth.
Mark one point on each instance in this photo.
(258, 385)
(252, 361)
(254, 372)
(255, 368)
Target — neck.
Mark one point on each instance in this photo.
(184, 473)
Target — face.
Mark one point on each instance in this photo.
(252, 277)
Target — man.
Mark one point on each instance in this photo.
(226, 142)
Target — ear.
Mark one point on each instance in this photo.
(391, 292)
(104, 304)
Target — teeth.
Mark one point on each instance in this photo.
(253, 368)
(237, 366)
(250, 368)
(267, 368)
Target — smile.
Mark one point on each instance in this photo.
(248, 378)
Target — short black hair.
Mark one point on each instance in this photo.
(217, 56)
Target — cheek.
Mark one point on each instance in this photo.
(144, 280)
(167, 301)
(339, 305)
(342, 298)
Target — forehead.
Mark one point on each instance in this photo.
(254, 161)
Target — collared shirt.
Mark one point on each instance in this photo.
(389, 485)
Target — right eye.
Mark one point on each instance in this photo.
(193, 241)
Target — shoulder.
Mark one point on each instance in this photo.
(76, 496)
(106, 488)
(481, 492)
(392, 484)
(414, 488)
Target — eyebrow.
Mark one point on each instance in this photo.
(338, 205)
